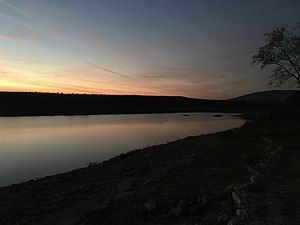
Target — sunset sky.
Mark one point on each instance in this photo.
(195, 48)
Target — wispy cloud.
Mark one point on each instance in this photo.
(105, 69)
(14, 7)
(57, 53)
(45, 33)
(152, 83)
(19, 40)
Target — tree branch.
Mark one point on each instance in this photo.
(288, 72)
(291, 61)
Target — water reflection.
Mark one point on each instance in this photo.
(39, 146)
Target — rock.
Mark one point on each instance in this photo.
(238, 187)
(181, 208)
(243, 186)
(233, 221)
(218, 115)
(139, 208)
(125, 185)
(123, 195)
(242, 214)
(276, 219)
(227, 206)
(253, 169)
(197, 218)
(195, 208)
(149, 181)
(254, 178)
(257, 222)
(236, 199)
(35, 212)
(222, 218)
(275, 207)
(149, 206)
(254, 174)
(263, 165)
(202, 201)
(98, 213)
(148, 223)
(266, 140)
(103, 206)
(50, 180)
(164, 216)
(230, 188)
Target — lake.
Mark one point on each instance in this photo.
(32, 147)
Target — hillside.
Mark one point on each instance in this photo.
(24, 103)
(39, 104)
(268, 96)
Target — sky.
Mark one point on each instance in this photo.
(194, 48)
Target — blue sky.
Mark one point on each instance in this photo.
(195, 48)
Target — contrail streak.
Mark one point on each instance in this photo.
(61, 54)
(17, 9)
(105, 69)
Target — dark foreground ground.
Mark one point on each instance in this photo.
(248, 175)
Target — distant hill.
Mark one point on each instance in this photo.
(35, 104)
(268, 96)
(40, 104)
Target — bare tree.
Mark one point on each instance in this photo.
(282, 53)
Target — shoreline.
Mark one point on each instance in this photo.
(116, 114)
(206, 116)
(159, 184)
(51, 104)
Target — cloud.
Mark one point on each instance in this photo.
(14, 7)
(19, 40)
(105, 69)
(165, 83)
(55, 52)
(46, 32)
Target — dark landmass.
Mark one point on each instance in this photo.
(218, 115)
(39, 104)
(274, 96)
(248, 175)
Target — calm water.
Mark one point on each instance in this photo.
(38, 146)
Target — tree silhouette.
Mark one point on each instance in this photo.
(282, 53)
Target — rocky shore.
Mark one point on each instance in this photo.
(248, 175)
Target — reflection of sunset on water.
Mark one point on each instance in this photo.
(39, 146)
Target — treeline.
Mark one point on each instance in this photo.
(35, 104)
